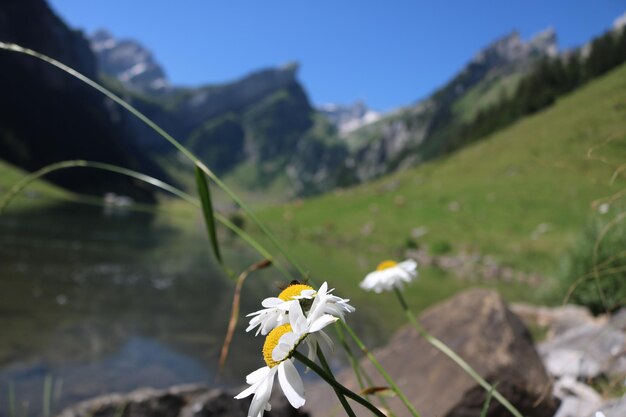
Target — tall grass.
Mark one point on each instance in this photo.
(594, 269)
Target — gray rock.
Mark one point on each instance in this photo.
(577, 399)
(575, 407)
(618, 320)
(587, 351)
(557, 320)
(128, 61)
(613, 408)
(571, 362)
(179, 401)
(478, 326)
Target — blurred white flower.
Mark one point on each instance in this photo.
(390, 275)
(604, 208)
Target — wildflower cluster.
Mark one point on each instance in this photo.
(297, 316)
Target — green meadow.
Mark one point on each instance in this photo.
(35, 195)
(522, 195)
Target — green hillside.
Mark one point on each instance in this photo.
(485, 94)
(34, 194)
(521, 195)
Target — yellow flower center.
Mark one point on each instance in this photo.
(292, 291)
(385, 265)
(271, 341)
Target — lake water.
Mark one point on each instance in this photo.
(96, 301)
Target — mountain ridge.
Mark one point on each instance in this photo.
(260, 129)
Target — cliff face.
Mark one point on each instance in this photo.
(349, 118)
(129, 62)
(47, 116)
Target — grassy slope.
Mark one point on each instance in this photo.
(10, 175)
(483, 95)
(535, 172)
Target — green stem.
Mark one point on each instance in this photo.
(353, 361)
(342, 398)
(336, 385)
(382, 371)
(358, 371)
(12, 401)
(453, 355)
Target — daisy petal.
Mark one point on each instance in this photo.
(322, 322)
(271, 302)
(257, 375)
(291, 383)
(324, 340)
(246, 393)
(261, 396)
(297, 319)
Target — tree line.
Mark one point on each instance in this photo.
(551, 78)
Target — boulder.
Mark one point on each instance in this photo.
(586, 351)
(557, 320)
(179, 401)
(612, 408)
(577, 399)
(618, 320)
(478, 326)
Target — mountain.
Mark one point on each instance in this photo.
(129, 62)
(349, 118)
(259, 131)
(47, 116)
(337, 145)
(539, 172)
(252, 129)
(422, 131)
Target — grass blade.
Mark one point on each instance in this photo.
(12, 406)
(47, 395)
(207, 210)
(485, 409)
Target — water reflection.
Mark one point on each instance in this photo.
(137, 361)
(114, 302)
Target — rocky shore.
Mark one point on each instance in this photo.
(558, 376)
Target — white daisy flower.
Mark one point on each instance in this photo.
(278, 350)
(275, 312)
(326, 303)
(390, 275)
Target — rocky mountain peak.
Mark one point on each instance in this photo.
(511, 49)
(544, 43)
(506, 48)
(348, 118)
(129, 62)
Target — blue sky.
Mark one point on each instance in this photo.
(388, 53)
